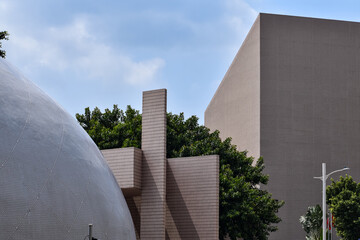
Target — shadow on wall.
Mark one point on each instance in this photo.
(178, 216)
(134, 204)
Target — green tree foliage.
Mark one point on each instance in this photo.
(246, 211)
(4, 35)
(311, 222)
(343, 197)
(112, 129)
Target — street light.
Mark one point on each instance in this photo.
(323, 178)
(90, 236)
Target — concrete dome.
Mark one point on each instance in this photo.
(53, 179)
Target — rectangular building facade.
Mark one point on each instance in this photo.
(174, 198)
(292, 95)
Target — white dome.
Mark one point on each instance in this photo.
(53, 179)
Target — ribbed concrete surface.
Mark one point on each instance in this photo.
(192, 196)
(179, 196)
(125, 163)
(134, 205)
(153, 209)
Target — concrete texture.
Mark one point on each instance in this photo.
(54, 181)
(153, 144)
(178, 197)
(309, 107)
(192, 198)
(125, 164)
(134, 204)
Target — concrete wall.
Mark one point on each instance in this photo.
(192, 197)
(125, 163)
(309, 107)
(235, 107)
(153, 144)
(178, 198)
(134, 204)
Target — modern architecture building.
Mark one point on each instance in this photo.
(169, 198)
(54, 181)
(292, 95)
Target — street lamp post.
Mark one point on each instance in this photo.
(323, 178)
(90, 231)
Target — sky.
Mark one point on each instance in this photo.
(87, 53)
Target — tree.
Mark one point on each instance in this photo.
(311, 222)
(112, 129)
(4, 35)
(343, 197)
(246, 211)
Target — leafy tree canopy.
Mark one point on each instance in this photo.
(246, 211)
(311, 222)
(112, 129)
(4, 35)
(343, 197)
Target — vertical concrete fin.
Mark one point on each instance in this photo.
(153, 199)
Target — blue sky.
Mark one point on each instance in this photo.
(100, 53)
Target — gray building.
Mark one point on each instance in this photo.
(168, 198)
(54, 181)
(292, 95)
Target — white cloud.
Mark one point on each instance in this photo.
(229, 26)
(101, 62)
(4, 6)
(239, 16)
(240, 6)
(141, 71)
(75, 47)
